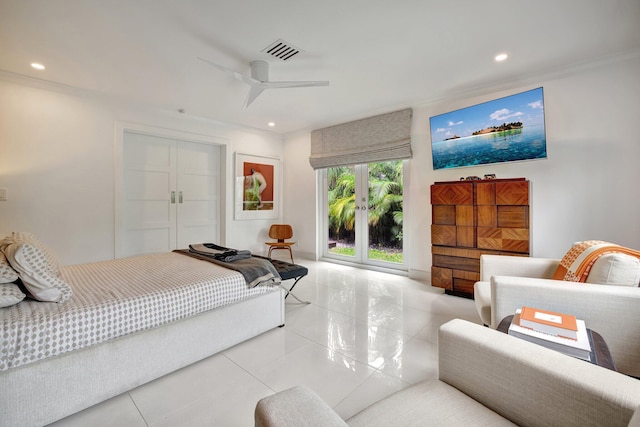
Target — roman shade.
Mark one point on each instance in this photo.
(374, 139)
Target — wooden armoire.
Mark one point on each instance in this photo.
(471, 218)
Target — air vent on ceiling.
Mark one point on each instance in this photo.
(281, 49)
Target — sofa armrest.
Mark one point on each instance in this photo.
(530, 384)
(297, 406)
(612, 311)
(502, 265)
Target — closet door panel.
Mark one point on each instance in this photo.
(198, 194)
(149, 178)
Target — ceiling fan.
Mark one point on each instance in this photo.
(259, 79)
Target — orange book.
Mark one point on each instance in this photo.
(549, 322)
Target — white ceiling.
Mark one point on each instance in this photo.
(379, 55)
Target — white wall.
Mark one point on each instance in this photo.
(587, 188)
(57, 148)
(300, 205)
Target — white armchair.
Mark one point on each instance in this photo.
(508, 283)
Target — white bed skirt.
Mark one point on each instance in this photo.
(45, 391)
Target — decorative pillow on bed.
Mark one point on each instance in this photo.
(7, 274)
(10, 294)
(24, 237)
(32, 266)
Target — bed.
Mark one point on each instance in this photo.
(126, 322)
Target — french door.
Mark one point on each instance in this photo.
(363, 213)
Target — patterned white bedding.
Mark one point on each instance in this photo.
(116, 298)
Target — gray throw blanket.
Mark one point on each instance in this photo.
(256, 271)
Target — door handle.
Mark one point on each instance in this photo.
(179, 196)
(173, 197)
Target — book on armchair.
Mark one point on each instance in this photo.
(580, 347)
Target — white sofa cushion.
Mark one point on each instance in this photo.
(430, 402)
(615, 269)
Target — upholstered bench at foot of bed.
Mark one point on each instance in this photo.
(289, 271)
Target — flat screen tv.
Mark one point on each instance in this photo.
(503, 130)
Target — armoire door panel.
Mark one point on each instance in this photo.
(513, 216)
(487, 215)
(455, 194)
(443, 235)
(444, 214)
(486, 193)
(466, 237)
(465, 215)
(512, 193)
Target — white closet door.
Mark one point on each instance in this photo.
(198, 193)
(149, 217)
(171, 194)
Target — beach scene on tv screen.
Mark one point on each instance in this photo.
(503, 130)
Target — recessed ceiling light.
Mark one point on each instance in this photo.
(271, 124)
(501, 57)
(37, 66)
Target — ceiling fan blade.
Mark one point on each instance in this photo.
(256, 89)
(232, 73)
(258, 81)
(281, 85)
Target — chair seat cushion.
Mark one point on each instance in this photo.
(430, 402)
(482, 299)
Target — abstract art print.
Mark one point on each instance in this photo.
(257, 187)
(503, 130)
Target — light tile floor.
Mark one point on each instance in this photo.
(364, 336)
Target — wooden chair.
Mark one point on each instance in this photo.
(281, 232)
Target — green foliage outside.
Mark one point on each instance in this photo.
(384, 209)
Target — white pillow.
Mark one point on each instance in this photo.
(24, 237)
(7, 274)
(33, 268)
(10, 294)
(615, 269)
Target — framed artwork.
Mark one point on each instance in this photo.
(257, 187)
(503, 130)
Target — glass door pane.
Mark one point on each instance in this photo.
(341, 218)
(385, 212)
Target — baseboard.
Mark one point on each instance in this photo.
(420, 275)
